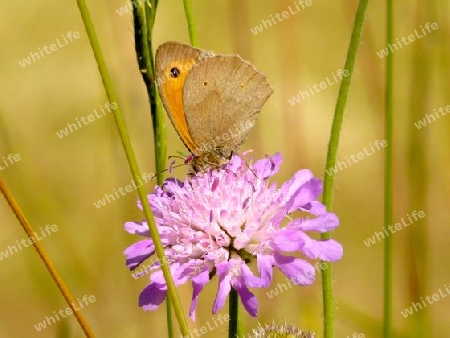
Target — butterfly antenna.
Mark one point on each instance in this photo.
(177, 156)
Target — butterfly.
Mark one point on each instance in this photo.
(212, 100)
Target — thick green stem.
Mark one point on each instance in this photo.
(328, 298)
(110, 91)
(233, 325)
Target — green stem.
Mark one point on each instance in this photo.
(144, 19)
(110, 91)
(233, 326)
(328, 299)
(46, 259)
(159, 128)
(190, 21)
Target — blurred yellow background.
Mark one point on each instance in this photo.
(57, 180)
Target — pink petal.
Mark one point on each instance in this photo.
(328, 250)
(322, 223)
(224, 287)
(299, 271)
(198, 283)
(248, 299)
(139, 228)
(152, 296)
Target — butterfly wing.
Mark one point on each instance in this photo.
(174, 61)
(220, 94)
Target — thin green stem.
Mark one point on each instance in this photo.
(159, 128)
(328, 298)
(388, 192)
(144, 19)
(157, 114)
(190, 21)
(110, 91)
(46, 259)
(233, 325)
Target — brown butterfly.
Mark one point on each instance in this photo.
(212, 100)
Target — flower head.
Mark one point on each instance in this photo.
(284, 330)
(216, 223)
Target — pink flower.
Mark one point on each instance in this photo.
(217, 222)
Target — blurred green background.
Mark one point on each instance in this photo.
(58, 180)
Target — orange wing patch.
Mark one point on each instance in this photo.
(172, 90)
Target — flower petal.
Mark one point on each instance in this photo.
(139, 228)
(248, 299)
(137, 252)
(288, 240)
(235, 164)
(322, 223)
(198, 283)
(152, 296)
(265, 268)
(289, 188)
(268, 167)
(250, 279)
(224, 287)
(327, 250)
(299, 271)
(307, 193)
(314, 207)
